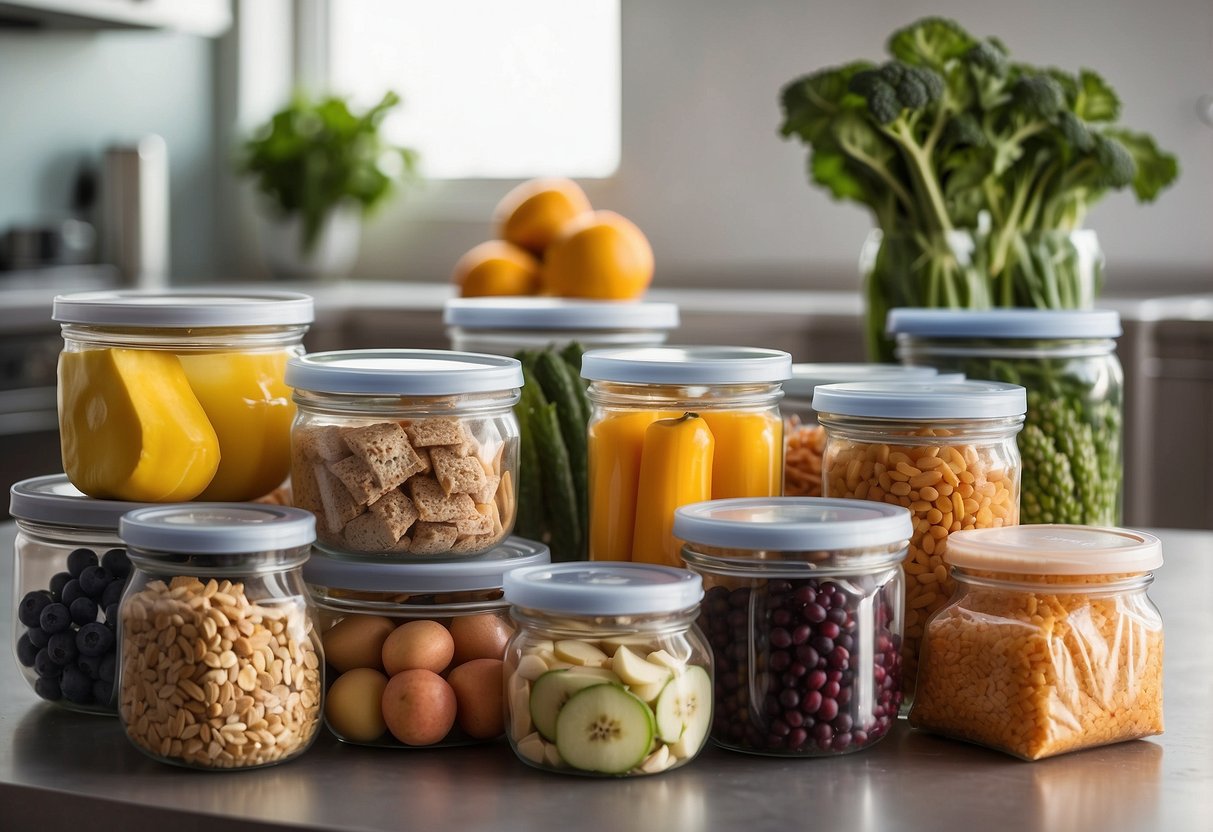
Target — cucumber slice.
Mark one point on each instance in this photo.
(684, 709)
(551, 691)
(605, 729)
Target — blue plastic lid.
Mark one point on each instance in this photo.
(806, 377)
(183, 308)
(793, 524)
(558, 314)
(403, 372)
(922, 400)
(687, 365)
(486, 571)
(1055, 549)
(1004, 323)
(53, 500)
(603, 588)
(217, 528)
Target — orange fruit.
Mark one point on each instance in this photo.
(600, 255)
(496, 267)
(532, 213)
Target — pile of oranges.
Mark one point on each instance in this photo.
(550, 241)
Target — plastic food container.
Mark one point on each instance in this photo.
(945, 451)
(1051, 643)
(506, 325)
(220, 664)
(676, 425)
(69, 571)
(415, 650)
(170, 396)
(1072, 437)
(405, 454)
(804, 438)
(608, 674)
(803, 613)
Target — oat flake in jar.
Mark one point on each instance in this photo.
(944, 450)
(1051, 643)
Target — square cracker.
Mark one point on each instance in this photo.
(339, 505)
(324, 442)
(433, 504)
(457, 474)
(385, 449)
(359, 479)
(432, 538)
(368, 533)
(425, 433)
(305, 493)
(482, 524)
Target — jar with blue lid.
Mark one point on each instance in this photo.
(406, 455)
(220, 663)
(803, 610)
(608, 674)
(415, 650)
(1072, 440)
(945, 451)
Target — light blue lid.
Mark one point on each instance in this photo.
(603, 588)
(403, 372)
(217, 528)
(557, 314)
(482, 572)
(687, 365)
(1004, 323)
(805, 377)
(922, 400)
(183, 308)
(54, 500)
(792, 524)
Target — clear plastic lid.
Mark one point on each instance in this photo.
(806, 377)
(403, 372)
(486, 571)
(217, 528)
(1055, 550)
(793, 524)
(183, 308)
(687, 365)
(1004, 323)
(53, 500)
(911, 401)
(558, 314)
(603, 588)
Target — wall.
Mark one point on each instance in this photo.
(64, 96)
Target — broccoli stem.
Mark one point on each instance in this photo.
(923, 173)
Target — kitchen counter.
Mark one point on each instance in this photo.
(63, 770)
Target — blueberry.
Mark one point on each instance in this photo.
(94, 639)
(55, 618)
(103, 693)
(71, 591)
(111, 616)
(77, 687)
(62, 648)
(116, 561)
(90, 665)
(26, 651)
(32, 605)
(108, 671)
(94, 580)
(58, 582)
(83, 611)
(48, 688)
(44, 666)
(38, 637)
(79, 560)
(113, 592)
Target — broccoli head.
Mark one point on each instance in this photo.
(896, 86)
(1039, 96)
(1117, 167)
(988, 55)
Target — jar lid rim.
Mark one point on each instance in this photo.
(184, 308)
(403, 372)
(52, 499)
(1055, 549)
(1004, 323)
(558, 313)
(217, 528)
(912, 400)
(603, 588)
(687, 365)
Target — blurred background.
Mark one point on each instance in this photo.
(123, 126)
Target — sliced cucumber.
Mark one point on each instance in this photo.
(604, 728)
(684, 709)
(551, 691)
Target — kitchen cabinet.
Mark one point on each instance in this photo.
(209, 18)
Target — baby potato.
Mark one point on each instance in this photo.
(420, 644)
(481, 636)
(353, 705)
(418, 707)
(478, 686)
(356, 641)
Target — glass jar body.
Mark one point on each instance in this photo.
(719, 441)
(220, 662)
(655, 671)
(1075, 661)
(512, 341)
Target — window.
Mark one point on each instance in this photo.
(491, 89)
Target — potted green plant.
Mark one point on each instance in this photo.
(979, 171)
(321, 167)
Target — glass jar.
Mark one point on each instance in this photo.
(1072, 437)
(608, 673)
(507, 325)
(220, 663)
(405, 454)
(415, 650)
(804, 438)
(169, 396)
(945, 451)
(1050, 644)
(677, 425)
(803, 610)
(69, 571)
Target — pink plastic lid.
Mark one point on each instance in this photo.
(1055, 550)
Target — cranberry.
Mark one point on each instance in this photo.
(816, 680)
(811, 702)
(828, 710)
(814, 613)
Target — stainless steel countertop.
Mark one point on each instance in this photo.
(63, 770)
